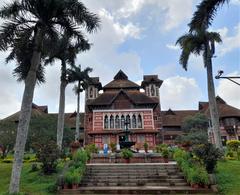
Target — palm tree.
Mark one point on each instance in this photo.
(83, 79)
(32, 20)
(203, 43)
(66, 52)
(205, 13)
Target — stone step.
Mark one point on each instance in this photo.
(137, 190)
(128, 183)
(135, 180)
(170, 177)
(144, 174)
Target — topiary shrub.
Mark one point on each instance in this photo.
(209, 155)
(48, 154)
(233, 145)
(126, 153)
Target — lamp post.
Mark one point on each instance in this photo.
(230, 78)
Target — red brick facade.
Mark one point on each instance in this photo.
(122, 101)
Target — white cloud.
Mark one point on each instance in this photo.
(179, 93)
(235, 2)
(172, 46)
(229, 42)
(230, 91)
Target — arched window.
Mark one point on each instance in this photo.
(134, 121)
(117, 122)
(128, 120)
(139, 121)
(111, 122)
(106, 122)
(152, 90)
(122, 122)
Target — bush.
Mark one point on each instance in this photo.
(233, 145)
(126, 153)
(145, 145)
(113, 146)
(72, 176)
(7, 160)
(80, 156)
(209, 155)
(160, 147)
(165, 153)
(48, 154)
(91, 148)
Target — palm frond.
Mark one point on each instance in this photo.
(205, 13)
(11, 10)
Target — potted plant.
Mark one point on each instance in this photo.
(126, 154)
(145, 145)
(113, 147)
(165, 154)
(76, 177)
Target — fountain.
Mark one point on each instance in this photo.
(126, 143)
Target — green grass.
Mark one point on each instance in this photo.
(228, 177)
(32, 183)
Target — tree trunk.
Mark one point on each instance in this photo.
(25, 114)
(61, 112)
(78, 114)
(212, 101)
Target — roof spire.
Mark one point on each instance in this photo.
(121, 76)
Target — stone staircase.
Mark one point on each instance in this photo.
(145, 178)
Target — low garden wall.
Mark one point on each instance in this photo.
(137, 158)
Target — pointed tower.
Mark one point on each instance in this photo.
(151, 85)
(93, 89)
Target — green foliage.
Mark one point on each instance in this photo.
(32, 183)
(194, 172)
(195, 123)
(7, 136)
(92, 148)
(160, 147)
(80, 156)
(47, 154)
(228, 177)
(233, 145)
(145, 145)
(72, 176)
(165, 153)
(113, 146)
(126, 153)
(209, 155)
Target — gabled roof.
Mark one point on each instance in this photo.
(36, 111)
(136, 97)
(121, 82)
(224, 109)
(176, 117)
(95, 81)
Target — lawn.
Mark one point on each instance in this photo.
(228, 177)
(32, 183)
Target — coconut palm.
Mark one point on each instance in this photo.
(32, 20)
(82, 78)
(203, 43)
(205, 13)
(66, 51)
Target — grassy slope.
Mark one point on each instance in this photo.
(228, 176)
(31, 182)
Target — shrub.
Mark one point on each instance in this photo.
(165, 153)
(80, 156)
(208, 154)
(160, 147)
(48, 154)
(7, 160)
(91, 148)
(233, 144)
(126, 153)
(72, 176)
(145, 145)
(34, 168)
(113, 146)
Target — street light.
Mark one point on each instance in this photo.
(230, 78)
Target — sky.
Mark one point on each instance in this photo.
(138, 36)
